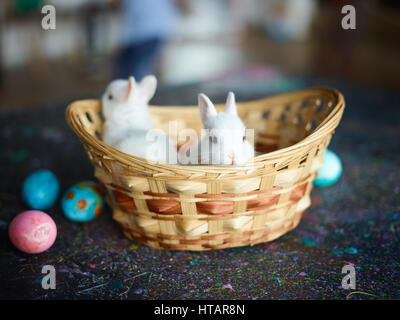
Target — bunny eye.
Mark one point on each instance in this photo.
(214, 139)
(244, 138)
(110, 97)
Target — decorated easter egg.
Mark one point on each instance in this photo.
(32, 231)
(40, 189)
(82, 202)
(330, 171)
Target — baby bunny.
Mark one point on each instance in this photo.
(127, 125)
(225, 142)
(125, 108)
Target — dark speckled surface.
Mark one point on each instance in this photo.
(355, 222)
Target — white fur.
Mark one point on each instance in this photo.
(127, 125)
(225, 145)
(125, 108)
(152, 144)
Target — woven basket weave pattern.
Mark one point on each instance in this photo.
(216, 207)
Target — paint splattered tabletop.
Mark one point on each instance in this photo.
(356, 222)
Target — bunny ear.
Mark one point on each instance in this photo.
(206, 107)
(148, 87)
(231, 104)
(129, 87)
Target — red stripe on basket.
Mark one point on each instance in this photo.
(158, 194)
(265, 200)
(299, 192)
(124, 201)
(163, 206)
(214, 206)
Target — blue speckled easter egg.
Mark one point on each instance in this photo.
(40, 189)
(82, 202)
(330, 171)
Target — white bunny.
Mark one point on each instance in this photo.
(127, 125)
(125, 108)
(225, 142)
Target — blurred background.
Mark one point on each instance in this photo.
(188, 41)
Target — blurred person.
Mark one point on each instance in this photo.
(289, 20)
(146, 26)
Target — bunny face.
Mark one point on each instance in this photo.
(124, 96)
(225, 142)
(125, 108)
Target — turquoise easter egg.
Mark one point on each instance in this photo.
(40, 189)
(330, 171)
(82, 202)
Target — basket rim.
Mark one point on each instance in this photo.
(327, 126)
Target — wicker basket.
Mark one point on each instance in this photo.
(216, 207)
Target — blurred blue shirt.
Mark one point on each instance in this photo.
(147, 19)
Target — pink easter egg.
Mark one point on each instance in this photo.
(32, 231)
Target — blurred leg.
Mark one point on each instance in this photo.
(138, 59)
